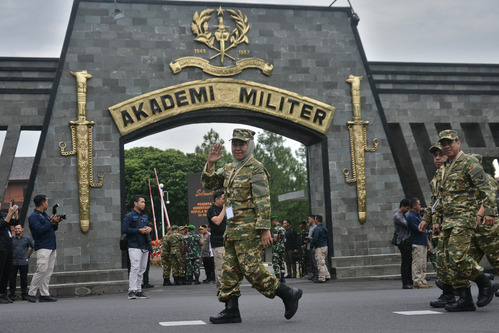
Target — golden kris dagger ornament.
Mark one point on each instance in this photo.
(81, 138)
(358, 145)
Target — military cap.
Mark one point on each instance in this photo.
(447, 134)
(174, 227)
(202, 227)
(169, 228)
(181, 228)
(274, 218)
(191, 227)
(436, 146)
(242, 134)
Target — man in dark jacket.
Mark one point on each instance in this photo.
(5, 253)
(292, 249)
(43, 230)
(319, 242)
(404, 242)
(136, 226)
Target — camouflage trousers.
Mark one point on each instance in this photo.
(167, 267)
(243, 258)
(458, 267)
(278, 263)
(177, 264)
(485, 241)
(192, 267)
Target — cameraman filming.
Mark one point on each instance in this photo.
(43, 230)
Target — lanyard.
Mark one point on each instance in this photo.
(445, 176)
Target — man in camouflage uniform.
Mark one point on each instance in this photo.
(177, 255)
(303, 249)
(165, 258)
(247, 203)
(278, 236)
(192, 246)
(462, 177)
(485, 238)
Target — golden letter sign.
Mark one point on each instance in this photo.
(161, 104)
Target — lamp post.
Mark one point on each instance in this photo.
(163, 207)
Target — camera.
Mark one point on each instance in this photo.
(54, 212)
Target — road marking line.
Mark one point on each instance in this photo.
(417, 313)
(182, 323)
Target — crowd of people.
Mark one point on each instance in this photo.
(461, 224)
(16, 249)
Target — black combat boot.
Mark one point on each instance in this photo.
(290, 297)
(183, 280)
(486, 290)
(464, 302)
(166, 282)
(196, 279)
(230, 314)
(281, 279)
(446, 297)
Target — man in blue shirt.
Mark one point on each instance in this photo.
(22, 248)
(319, 243)
(419, 246)
(43, 230)
(136, 226)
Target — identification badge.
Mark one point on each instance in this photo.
(229, 212)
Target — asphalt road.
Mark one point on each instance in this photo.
(336, 306)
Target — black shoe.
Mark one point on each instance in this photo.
(447, 296)
(464, 303)
(230, 314)
(24, 297)
(406, 286)
(141, 295)
(319, 281)
(497, 293)
(31, 299)
(4, 301)
(290, 298)
(486, 290)
(47, 299)
(12, 298)
(147, 285)
(166, 282)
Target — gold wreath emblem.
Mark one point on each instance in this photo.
(201, 29)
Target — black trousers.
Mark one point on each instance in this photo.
(5, 265)
(406, 266)
(209, 268)
(23, 274)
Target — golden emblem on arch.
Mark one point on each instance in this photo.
(225, 40)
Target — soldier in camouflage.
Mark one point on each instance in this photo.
(461, 178)
(192, 246)
(247, 203)
(485, 238)
(176, 256)
(165, 258)
(278, 236)
(303, 269)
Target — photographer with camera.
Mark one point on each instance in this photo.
(136, 226)
(6, 251)
(43, 230)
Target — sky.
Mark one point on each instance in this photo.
(449, 31)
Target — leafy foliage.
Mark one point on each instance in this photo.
(172, 167)
(288, 173)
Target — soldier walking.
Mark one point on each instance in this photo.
(247, 205)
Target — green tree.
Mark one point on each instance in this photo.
(288, 173)
(172, 167)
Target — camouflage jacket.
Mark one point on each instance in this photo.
(278, 245)
(175, 242)
(192, 245)
(429, 216)
(165, 245)
(459, 194)
(247, 192)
